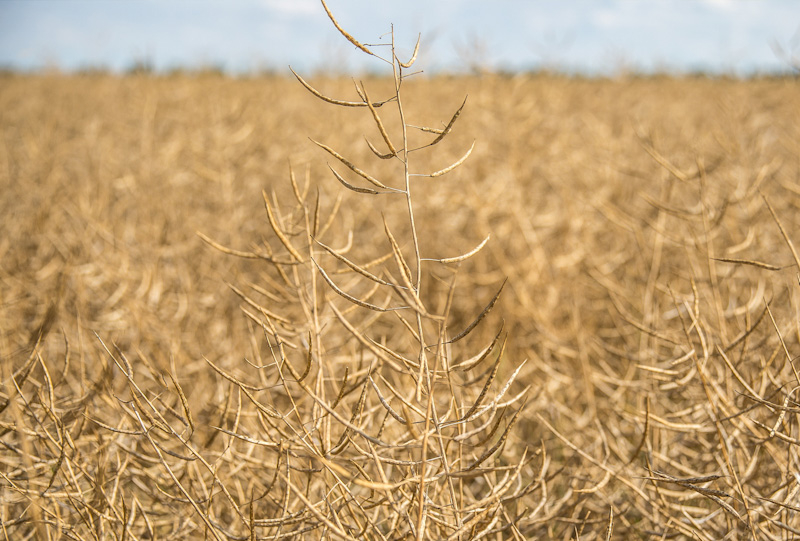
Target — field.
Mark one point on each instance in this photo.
(175, 362)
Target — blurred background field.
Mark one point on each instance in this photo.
(630, 215)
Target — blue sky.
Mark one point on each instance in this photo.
(598, 37)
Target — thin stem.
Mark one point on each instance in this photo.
(397, 72)
(398, 76)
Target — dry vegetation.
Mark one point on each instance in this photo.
(153, 387)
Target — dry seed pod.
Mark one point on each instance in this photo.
(389, 351)
(478, 429)
(366, 342)
(463, 257)
(273, 222)
(452, 166)
(786, 238)
(360, 270)
(229, 251)
(413, 58)
(342, 31)
(255, 305)
(297, 195)
(378, 153)
(386, 405)
(610, 527)
(315, 220)
(309, 358)
(325, 98)
(399, 258)
(351, 166)
(184, 401)
(347, 296)
(488, 383)
(362, 92)
(449, 126)
(480, 357)
(750, 262)
(342, 386)
(349, 186)
(489, 452)
(482, 315)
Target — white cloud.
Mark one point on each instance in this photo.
(292, 7)
(608, 18)
(725, 5)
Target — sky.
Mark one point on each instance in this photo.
(597, 37)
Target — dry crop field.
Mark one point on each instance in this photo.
(195, 346)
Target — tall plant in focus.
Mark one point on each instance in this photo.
(382, 423)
